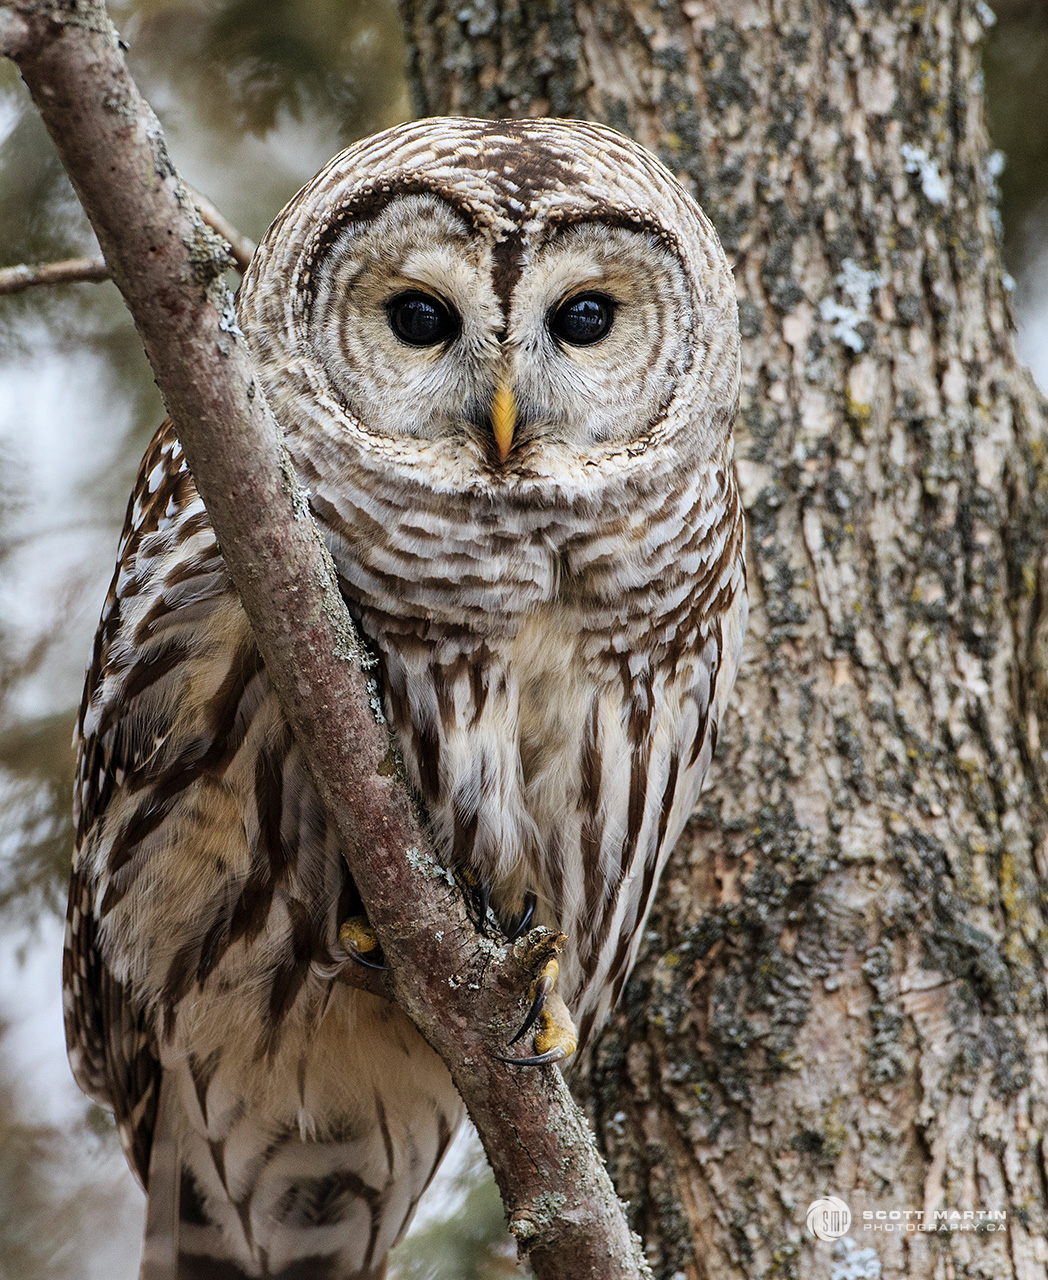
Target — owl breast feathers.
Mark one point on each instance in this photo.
(505, 356)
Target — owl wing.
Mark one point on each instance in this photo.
(200, 966)
(124, 733)
(112, 1050)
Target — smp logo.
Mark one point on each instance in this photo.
(829, 1218)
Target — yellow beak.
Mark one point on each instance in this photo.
(503, 419)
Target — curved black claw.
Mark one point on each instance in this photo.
(557, 1054)
(354, 954)
(521, 927)
(543, 986)
(478, 897)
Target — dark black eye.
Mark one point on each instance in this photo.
(420, 319)
(582, 320)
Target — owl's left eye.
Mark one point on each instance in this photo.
(421, 320)
(582, 320)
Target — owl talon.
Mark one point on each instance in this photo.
(556, 1038)
(539, 991)
(478, 895)
(521, 927)
(357, 936)
(540, 1060)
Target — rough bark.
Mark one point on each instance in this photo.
(844, 991)
(464, 992)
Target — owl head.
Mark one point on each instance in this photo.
(497, 303)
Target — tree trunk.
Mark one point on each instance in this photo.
(844, 992)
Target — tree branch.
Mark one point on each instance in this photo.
(71, 271)
(88, 270)
(463, 992)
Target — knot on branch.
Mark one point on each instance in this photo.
(538, 1222)
(537, 946)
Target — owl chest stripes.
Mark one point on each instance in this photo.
(569, 776)
(621, 565)
(551, 687)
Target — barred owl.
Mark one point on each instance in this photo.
(505, 356)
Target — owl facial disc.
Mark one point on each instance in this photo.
(497, 302)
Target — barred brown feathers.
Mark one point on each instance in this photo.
(558, 606)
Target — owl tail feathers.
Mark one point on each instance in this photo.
(182, 1242)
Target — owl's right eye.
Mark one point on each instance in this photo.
(421, 320)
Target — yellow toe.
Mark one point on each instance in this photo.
(556, 1030)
